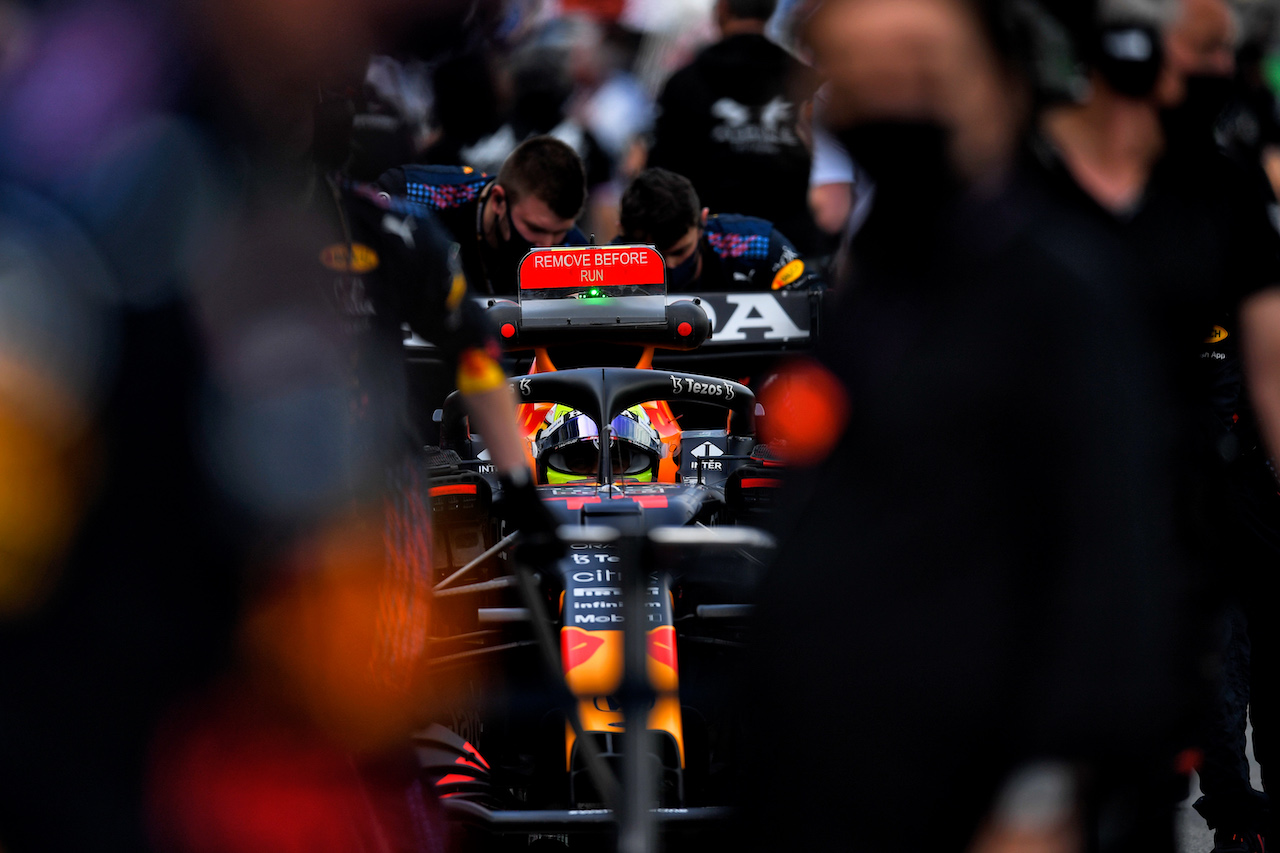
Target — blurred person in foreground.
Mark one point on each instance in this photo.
(1138, 153)
(116, 591)
(533, 202)
(222, 643)
(307, 427)
(727, 122)
(704, 252)
(970, 609)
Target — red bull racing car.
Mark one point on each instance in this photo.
(542, 671)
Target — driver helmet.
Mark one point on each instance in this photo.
(568, 448)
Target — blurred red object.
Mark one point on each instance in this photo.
(239, 777)
(607, 11)
(806, 411)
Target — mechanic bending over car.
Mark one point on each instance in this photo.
(703, 252)
(534, 201)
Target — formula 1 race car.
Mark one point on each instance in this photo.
(543, 673)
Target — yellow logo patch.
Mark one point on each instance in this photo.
(457, 292)
(358, 258)
(788, 274)
(478, 372)
(1217, 336)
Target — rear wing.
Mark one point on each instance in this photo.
(756, 322)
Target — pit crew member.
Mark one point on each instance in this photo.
(533, 202)
(703, 252)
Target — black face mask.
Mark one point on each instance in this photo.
(503, 260)
(681, 276)
(1192, 122)
(515, 245)
(909, 161)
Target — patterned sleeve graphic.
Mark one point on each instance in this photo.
(729, 245)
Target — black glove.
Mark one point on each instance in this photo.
(523, 510)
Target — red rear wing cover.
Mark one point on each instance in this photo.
(586, 272)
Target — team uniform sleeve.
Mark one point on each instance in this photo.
(433, 301)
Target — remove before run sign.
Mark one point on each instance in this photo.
(591, 266)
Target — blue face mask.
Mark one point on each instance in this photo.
(682, 275)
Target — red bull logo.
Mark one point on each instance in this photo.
(577, 646)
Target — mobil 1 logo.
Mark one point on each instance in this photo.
(593, 591)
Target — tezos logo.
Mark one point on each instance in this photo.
(525, 387)
(708, 389)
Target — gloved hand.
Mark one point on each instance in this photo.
(523, 510)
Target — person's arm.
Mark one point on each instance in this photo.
(831, 205)
(1260, 351)
(1271, 165)
(831, 182)
(1255, 261)
(492, 409)
(432, 295)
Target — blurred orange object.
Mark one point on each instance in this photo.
(806, 411)
(44, 467)
(341, 634)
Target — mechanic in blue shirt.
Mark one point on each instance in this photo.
(706, 253)
(533, 202)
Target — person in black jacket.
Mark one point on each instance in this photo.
(727, 121)
(972, 598)
(1138, 154)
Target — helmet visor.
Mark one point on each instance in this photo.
(572, 449)
(577, 460)
(635, 448)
